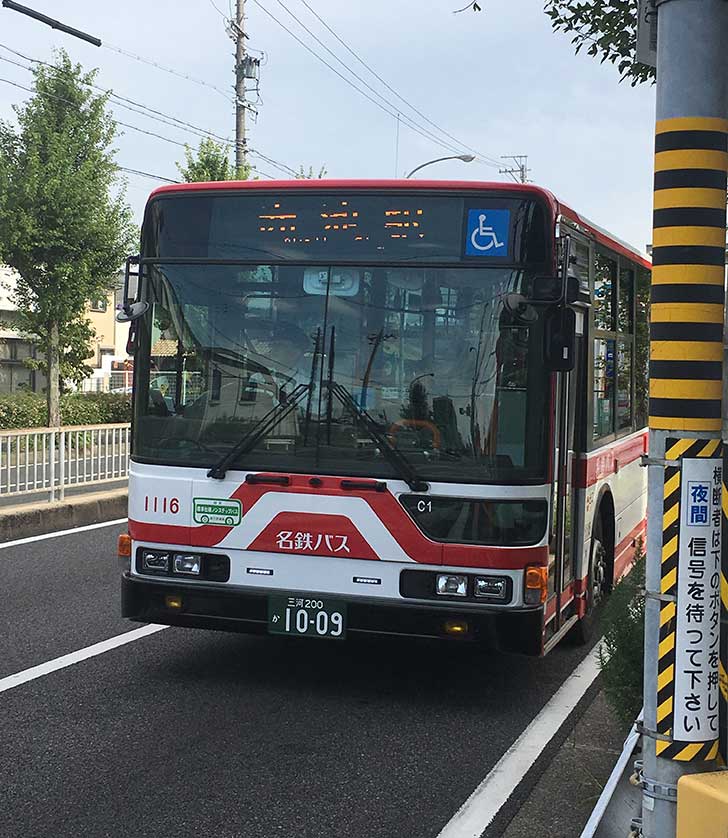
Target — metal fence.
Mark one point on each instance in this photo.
(52, 460)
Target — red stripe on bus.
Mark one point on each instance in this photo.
(384, 505)
(608, 460)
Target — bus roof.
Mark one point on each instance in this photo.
(557, 207)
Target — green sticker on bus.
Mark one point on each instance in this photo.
(219, 512)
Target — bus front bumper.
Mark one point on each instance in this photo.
(245, 610)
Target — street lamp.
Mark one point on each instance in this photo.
(466, 158)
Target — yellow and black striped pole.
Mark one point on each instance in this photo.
(686, 593)
(688, 275)
(686, 378)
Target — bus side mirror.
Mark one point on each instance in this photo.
(130, 309)
(560, 339)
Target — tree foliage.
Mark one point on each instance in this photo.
(606, 29)
(621, 656)
(311, 174)
(64, 225)
(210, 162)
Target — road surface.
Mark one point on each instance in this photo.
(191, 733)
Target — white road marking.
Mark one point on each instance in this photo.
(58, 533)
(11, 681)
(479, 810)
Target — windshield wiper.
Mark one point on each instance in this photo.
(266, 424)
(401, 465)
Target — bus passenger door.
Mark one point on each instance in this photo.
(564, 501)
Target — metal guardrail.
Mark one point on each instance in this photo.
(54, 459)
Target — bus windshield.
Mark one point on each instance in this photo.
(322, 368)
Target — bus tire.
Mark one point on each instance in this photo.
(599, 585)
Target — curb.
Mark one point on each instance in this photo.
(41, 518)
(569, 782)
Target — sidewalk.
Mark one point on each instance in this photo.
(562, 800)
(28, 519)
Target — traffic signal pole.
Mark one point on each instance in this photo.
(685, 468)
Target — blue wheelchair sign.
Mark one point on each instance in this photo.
(488, 232)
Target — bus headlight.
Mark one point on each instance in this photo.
(155, 562)
(449, 584)
(187, 564)
(491, 587)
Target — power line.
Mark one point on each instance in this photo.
(147, 174)
(218, 10)
(158, 116)
(75, 104)
(265, 174)
(483, 157)
(169, 70)
(288, 170)
(520, 171)
(411, 123)
(393, 113)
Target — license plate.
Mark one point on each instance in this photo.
(307, 617)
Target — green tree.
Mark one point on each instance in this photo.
(210, 162)
(64, 224)
(302, 174)
(607, 29)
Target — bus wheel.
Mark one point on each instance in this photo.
(598, 586)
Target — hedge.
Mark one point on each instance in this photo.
(28, 410)
(621, 656)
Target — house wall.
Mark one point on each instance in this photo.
(15, 348)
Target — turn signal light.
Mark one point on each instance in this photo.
(536, 585)
(123, 545)
(173, 602)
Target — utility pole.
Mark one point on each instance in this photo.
(241, 148)
(521, 170)
(685, 469)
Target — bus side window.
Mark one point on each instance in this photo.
(603, 387)
(625, 326)
(605, 286)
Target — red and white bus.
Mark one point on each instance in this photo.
(401, 407)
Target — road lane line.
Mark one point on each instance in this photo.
(11, 681)
(86, 528)
(479, 810)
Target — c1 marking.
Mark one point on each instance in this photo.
(424, 506)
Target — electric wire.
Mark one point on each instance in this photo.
(169, 70)
(147, 174)
(393, 113)
(218, 10)
(154, 114)
(483, 157)
(159, 136)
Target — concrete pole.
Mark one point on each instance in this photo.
(685, 383)
(240, 138)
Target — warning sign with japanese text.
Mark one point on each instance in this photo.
(698, 602)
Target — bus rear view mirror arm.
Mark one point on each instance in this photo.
(131, 309)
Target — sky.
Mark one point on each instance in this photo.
(499, 82)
